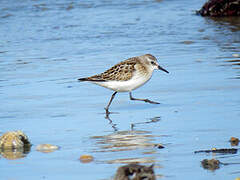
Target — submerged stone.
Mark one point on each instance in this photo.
(211, 164)
(46, 148)
(135, 172)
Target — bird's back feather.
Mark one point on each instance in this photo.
(122, 71)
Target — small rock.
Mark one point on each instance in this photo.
(234, 141)
(86, 158)
(14, 145)
(136, 171)
(188, 42)
(159, 146)
(236, 55)
(14, 140)
(211, 164)
(46, 148)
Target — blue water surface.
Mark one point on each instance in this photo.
(47, 45)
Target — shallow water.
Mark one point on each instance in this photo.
(46, 45)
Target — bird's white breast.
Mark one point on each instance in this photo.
(125, 86)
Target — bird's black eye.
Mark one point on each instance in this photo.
(152, 62)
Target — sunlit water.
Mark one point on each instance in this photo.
(46, 45)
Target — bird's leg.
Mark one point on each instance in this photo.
(145, 100)
(106, 108)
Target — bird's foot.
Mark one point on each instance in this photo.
(107, 112)
(151, 102)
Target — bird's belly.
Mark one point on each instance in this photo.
(124, 86)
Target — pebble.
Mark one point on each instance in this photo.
(86, 158)
(234, 141)
(46, 148)
(188, 42)
(211, 164)
(236, 55)
(159, 146)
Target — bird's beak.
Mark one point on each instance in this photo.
(160, 68)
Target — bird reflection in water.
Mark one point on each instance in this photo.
(151, 120)
(130, 140)
(126, 140)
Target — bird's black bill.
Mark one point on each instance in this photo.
(160, 68)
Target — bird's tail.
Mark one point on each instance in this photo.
(91, 79)
(83, 79)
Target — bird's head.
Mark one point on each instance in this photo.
(151, 61)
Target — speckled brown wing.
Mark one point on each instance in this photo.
(122, 71)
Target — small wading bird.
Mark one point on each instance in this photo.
(127, 76)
